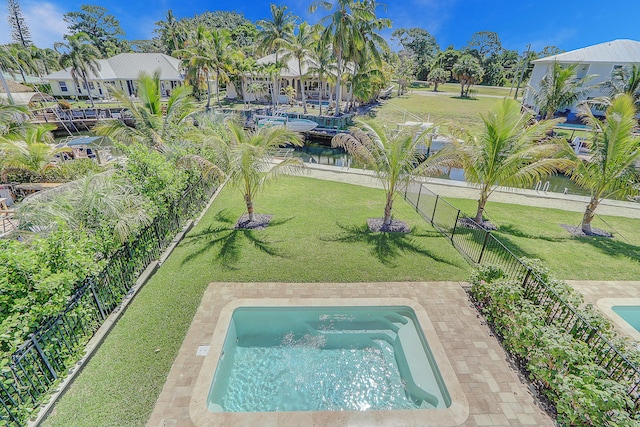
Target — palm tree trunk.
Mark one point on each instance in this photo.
(208, 106)
(218, 87)
(86, 84)
(461, 90)
(338, 86)
(388, 207)
(320, 96)
(589, 214)
(484, 196)
(249, 202)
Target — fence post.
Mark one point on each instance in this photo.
(526, 278)
(96, 299)
(435, 205)
(455, 224)
(484, 245)
(418, 199)
(43, 357)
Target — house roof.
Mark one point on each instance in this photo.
(617, 51)
(289, 70)
(127, 66)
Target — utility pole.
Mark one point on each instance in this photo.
(524, 67)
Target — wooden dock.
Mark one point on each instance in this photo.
(78, 119)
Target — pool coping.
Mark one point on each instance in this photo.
(454, 415)
(606, 306)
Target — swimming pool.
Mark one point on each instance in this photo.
(326, 359)
(630, 314)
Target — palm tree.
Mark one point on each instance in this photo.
(509, 151)
(394, 158)
(299, 46)
(625, 80)
(246, 156)
(81, 57)
(273, 34)
(559, 88)
(609, 172)
(321, 64)
(153, 127)
(436, 76)
(468, 71)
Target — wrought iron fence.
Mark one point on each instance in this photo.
(481, 247)
(58, 344)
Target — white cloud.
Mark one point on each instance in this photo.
(44, 20)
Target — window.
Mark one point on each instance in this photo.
(91, 86)
(63, 86)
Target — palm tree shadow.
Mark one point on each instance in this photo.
(226, 242)
(613, 247)
(386, 247)
(516, 232)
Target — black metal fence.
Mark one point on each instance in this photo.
(56, 346)
(481, 247)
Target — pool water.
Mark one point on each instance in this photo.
(630, 314)
(325, 359)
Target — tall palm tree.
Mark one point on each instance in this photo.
(153, 127)
(299, 47)
(394, 158)
(81, 57)
(625, 80)
(510, 151)
(246, 158)
(322, 65)
(559, 88)
(273, 34)
(609, 172)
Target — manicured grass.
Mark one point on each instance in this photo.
(439, 109)
(475, 89)
(536, 233)
(318, 233)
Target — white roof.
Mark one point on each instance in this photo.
(616, 51)
(127, 66)
(289, 70)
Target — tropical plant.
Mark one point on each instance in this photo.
(246, 157)
(510, 150)
(154, 127)
(321, 64)
(609, 171)
(468, 71)
(393, 157)
(625, 80)
(437, 76)
(299, 46)
(171, 32)
(559, 88)
(81, 57)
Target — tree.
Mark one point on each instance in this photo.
(614, 147)
(468, 71)
(393, 157)
(172, 33)
(437, 76)
(322, 64)
(102, 29)
(447, 59)
(19, 30)
(81, 57)
(420, 45)
(299, 46)
(625, 80)
(509, 151)
(404, 71)
(559, 88)
(483, 44)
(246, 158)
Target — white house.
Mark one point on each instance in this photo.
(120, 71)
(599, 60)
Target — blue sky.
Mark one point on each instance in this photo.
(567, 24)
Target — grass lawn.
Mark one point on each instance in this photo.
(318, 233)
(535, 233)
(475, 89)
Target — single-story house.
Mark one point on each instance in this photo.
(600, 60)
(121, 72)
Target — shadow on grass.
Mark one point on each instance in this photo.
(385, 246)
(227, 242)
(516, 232)
(612, 247)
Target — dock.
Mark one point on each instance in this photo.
(78, 119)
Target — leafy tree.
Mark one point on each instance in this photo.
(246, 158)
(81, 57)
(437, 76)
(299, 46)
(404, 70)
(420, 45)
(483, 44)
(102, 28)
(559, 88)
(509, 151)
(172, 33)
(393, 157)
(614, 147)
(18, 59)
(468, 71)
(447, 59)
(20, 33)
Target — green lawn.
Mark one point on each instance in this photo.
(536, 233)
(475, 89)
(318, 233)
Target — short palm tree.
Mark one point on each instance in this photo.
(510, 151)
(625, 80)
(81, 57)
(246, 157)
(559, 88)
(437, 76)
(394, 158)
(609, 171)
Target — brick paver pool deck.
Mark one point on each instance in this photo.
(494, 393)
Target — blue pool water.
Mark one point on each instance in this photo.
(325, 359)
(630, 314)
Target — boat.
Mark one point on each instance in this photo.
(296, 125)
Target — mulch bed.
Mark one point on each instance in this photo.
(577, 231)
(260, 222)
(396, 226)
(470, 223)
